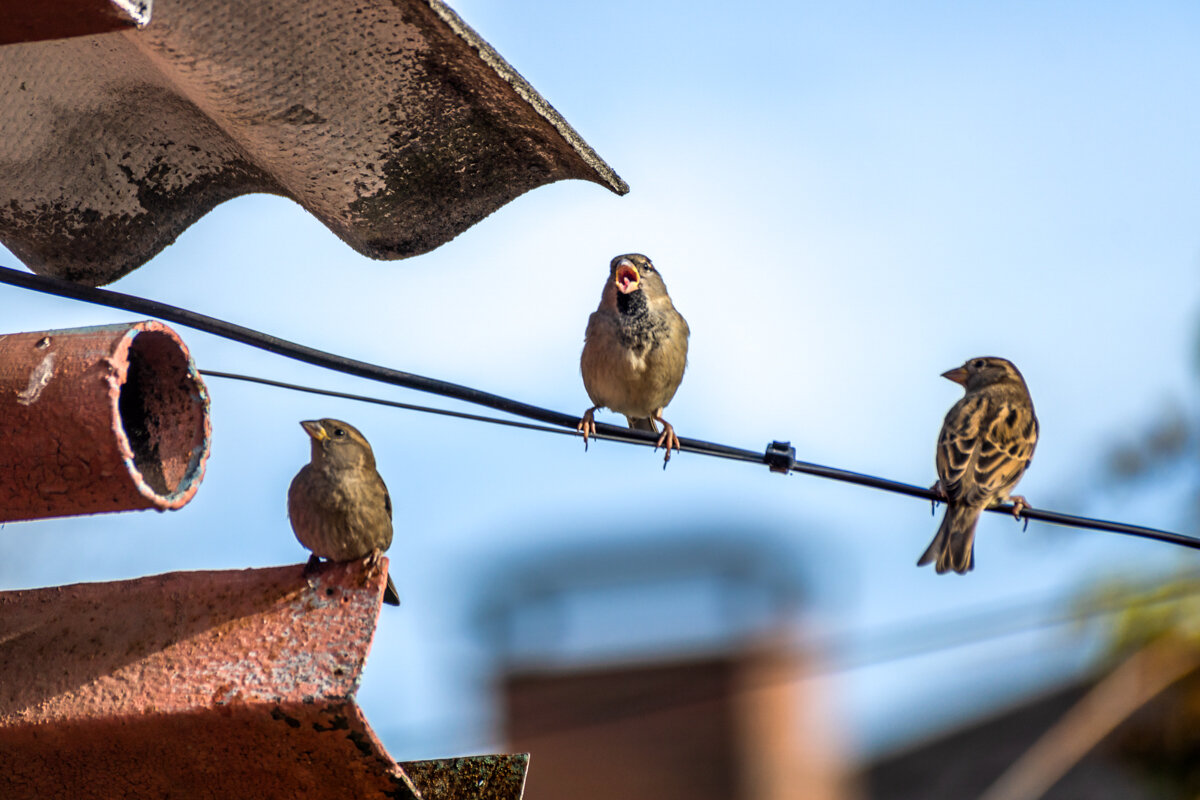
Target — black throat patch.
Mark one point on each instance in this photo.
(640, 329)
(633, 304)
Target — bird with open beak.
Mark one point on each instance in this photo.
(985, 445)
(635, 350)
(338, 504)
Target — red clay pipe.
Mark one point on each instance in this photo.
(110, 418)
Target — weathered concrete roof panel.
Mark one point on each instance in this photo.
(209, 684)
(390, 120)
(193, 684)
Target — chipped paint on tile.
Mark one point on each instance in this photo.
(38, 380)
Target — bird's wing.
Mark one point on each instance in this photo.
(1008, 446)
(985, 445)
(958, 443)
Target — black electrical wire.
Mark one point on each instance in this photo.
(722, 451)
(777, 460)
(271, 344)
(381, 402)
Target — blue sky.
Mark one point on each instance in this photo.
(845, 200)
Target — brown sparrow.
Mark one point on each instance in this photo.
(635, 350)
(338, 505)
(985, 445)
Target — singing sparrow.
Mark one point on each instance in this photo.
(635, 350)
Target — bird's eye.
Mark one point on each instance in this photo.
(339, 433)
(978, 363)
(648, 268)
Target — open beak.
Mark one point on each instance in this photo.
(626, 277)
(315, 429)
(958, 375)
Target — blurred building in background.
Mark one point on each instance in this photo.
(666, 670)
(1129, 729)
(967, 761)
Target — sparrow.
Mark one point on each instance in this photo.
(985, 446)
(634, 350)
(338, 505)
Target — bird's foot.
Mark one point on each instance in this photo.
(667, 439)
(310, 570)
(1019, 504)
(939, 496)
(587, 425)
(373, 558)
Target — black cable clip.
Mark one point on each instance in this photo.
(780, 457)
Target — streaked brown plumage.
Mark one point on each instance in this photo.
(985, 445)
(635, 350)
(338, 505)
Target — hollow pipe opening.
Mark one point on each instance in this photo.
(100, 419)
(161, 412)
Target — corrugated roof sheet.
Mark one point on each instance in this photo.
(389, 120)
(209, 684)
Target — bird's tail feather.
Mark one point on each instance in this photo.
(953, 546)
(390, 595)
(642, 424)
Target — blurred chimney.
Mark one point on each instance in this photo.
(700, 692)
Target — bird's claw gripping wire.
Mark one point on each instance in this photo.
(1019, 504)
(587, 425)
(939, 496)
(667, 439)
